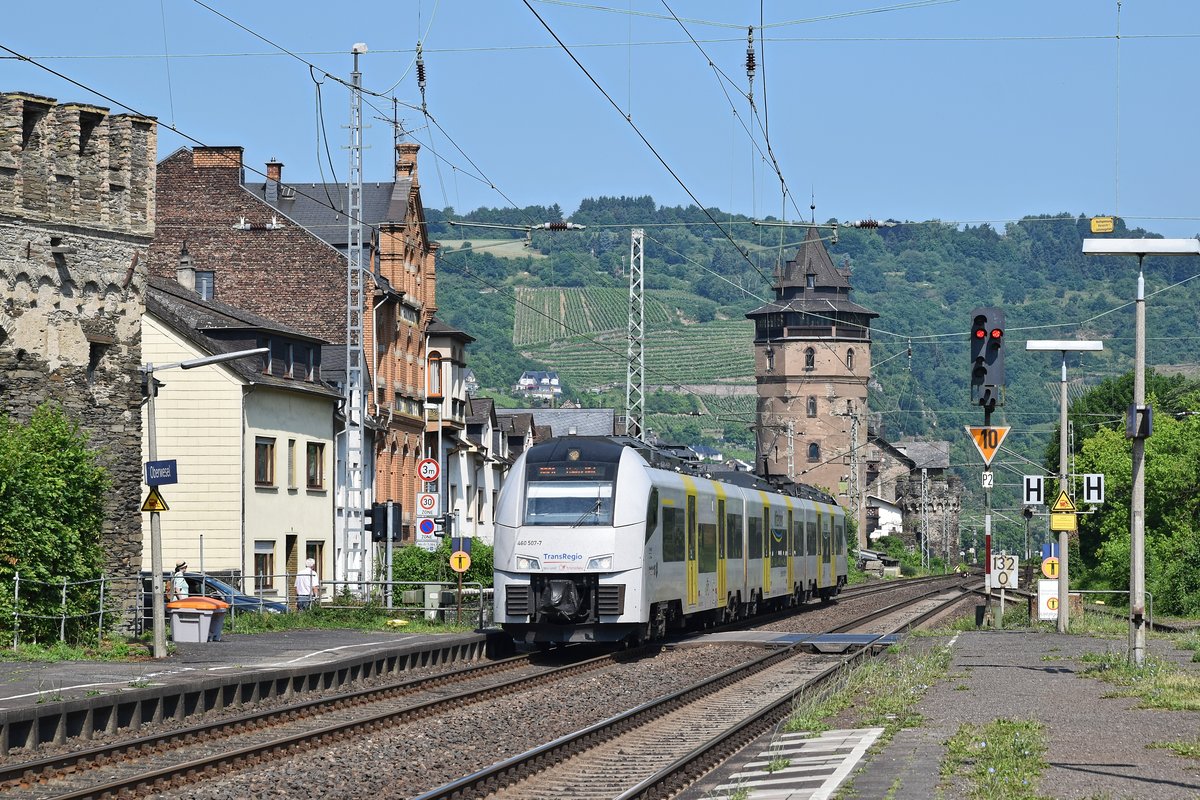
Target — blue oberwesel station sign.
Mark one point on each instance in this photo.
(160, 473)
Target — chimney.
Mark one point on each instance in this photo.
(274, 174)
(185, 274)
(406, 160)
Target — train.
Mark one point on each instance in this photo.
(606, 539)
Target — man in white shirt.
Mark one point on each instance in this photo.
(308, 586)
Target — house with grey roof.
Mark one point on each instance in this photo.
(253, 439)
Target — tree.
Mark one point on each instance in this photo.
(1172, 506)
(51, 516)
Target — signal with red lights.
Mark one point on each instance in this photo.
(987, 357)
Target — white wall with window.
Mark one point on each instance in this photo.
(289, 493)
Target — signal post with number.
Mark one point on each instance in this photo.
(987, 439)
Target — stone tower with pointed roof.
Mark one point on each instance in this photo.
(812, 362)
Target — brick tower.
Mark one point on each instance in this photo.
(812, 362)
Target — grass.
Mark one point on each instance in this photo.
(1004, 758)
(882, 693)
(107, 650)
(366, 618)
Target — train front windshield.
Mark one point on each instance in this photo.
(571, 503)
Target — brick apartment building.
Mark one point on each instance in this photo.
(280, 250)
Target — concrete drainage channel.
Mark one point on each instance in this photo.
(30, 727)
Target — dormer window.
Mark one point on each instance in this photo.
(810, 281)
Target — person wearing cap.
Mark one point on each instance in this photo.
(308, 585)
(179, 587)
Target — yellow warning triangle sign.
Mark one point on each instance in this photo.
(1063, 502)
(987, 441)
(154, 501)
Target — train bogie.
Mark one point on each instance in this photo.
(595, 544)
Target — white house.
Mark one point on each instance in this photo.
(253, 440)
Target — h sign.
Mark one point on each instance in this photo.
(1035, 490)
(1093, 489)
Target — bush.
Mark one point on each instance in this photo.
(51, 515)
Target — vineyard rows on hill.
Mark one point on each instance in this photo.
(714, 352)
(545, 315)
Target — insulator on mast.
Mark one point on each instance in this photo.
(751, 66)
(421, 73)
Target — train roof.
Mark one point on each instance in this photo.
(669, 458)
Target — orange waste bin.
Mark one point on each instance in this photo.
(197, 619)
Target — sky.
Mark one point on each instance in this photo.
(965, 111)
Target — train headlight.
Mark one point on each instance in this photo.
(600, 562)
(527, 562)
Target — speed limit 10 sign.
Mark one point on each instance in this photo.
(429, 470)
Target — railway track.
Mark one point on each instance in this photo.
(659, 748)
(157, 761)
(216, 751)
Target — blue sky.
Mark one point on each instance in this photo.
(959, 110)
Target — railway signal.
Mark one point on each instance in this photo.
(987, 357)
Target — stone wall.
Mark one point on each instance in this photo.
(76, 219)
(941, 504)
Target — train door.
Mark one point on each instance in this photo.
(693, 563)
(722, 587)
(825, 548)
(765, 545)
(810, 547)
(788, 549)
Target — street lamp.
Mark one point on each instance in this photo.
(1064, 346)
(156, 566)
(1138, 426)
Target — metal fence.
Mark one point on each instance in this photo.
(81, 612)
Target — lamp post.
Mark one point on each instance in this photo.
(1064, 346)
(1138, 423)
(156, 566)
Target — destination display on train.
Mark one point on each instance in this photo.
(570, 470)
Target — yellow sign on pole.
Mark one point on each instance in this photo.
(460, 561)
(1102, 224)
(154, 501)
(1064, 521)
(1063, 502)
(1050, 567)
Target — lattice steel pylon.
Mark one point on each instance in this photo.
(354, 551)
(635, 358)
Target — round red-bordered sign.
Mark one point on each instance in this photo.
(429, 469)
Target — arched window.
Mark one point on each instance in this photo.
(850, 359)
(810, 358)
(812, 405)
(433, 376)
(770, 353)
(814, 452)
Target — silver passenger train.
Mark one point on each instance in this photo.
(601, 539)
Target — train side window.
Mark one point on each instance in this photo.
(708, 547)
(812, 539)
(673, 533)
(755, 536)
(652, 514)
(733, 532)
(797, 538)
